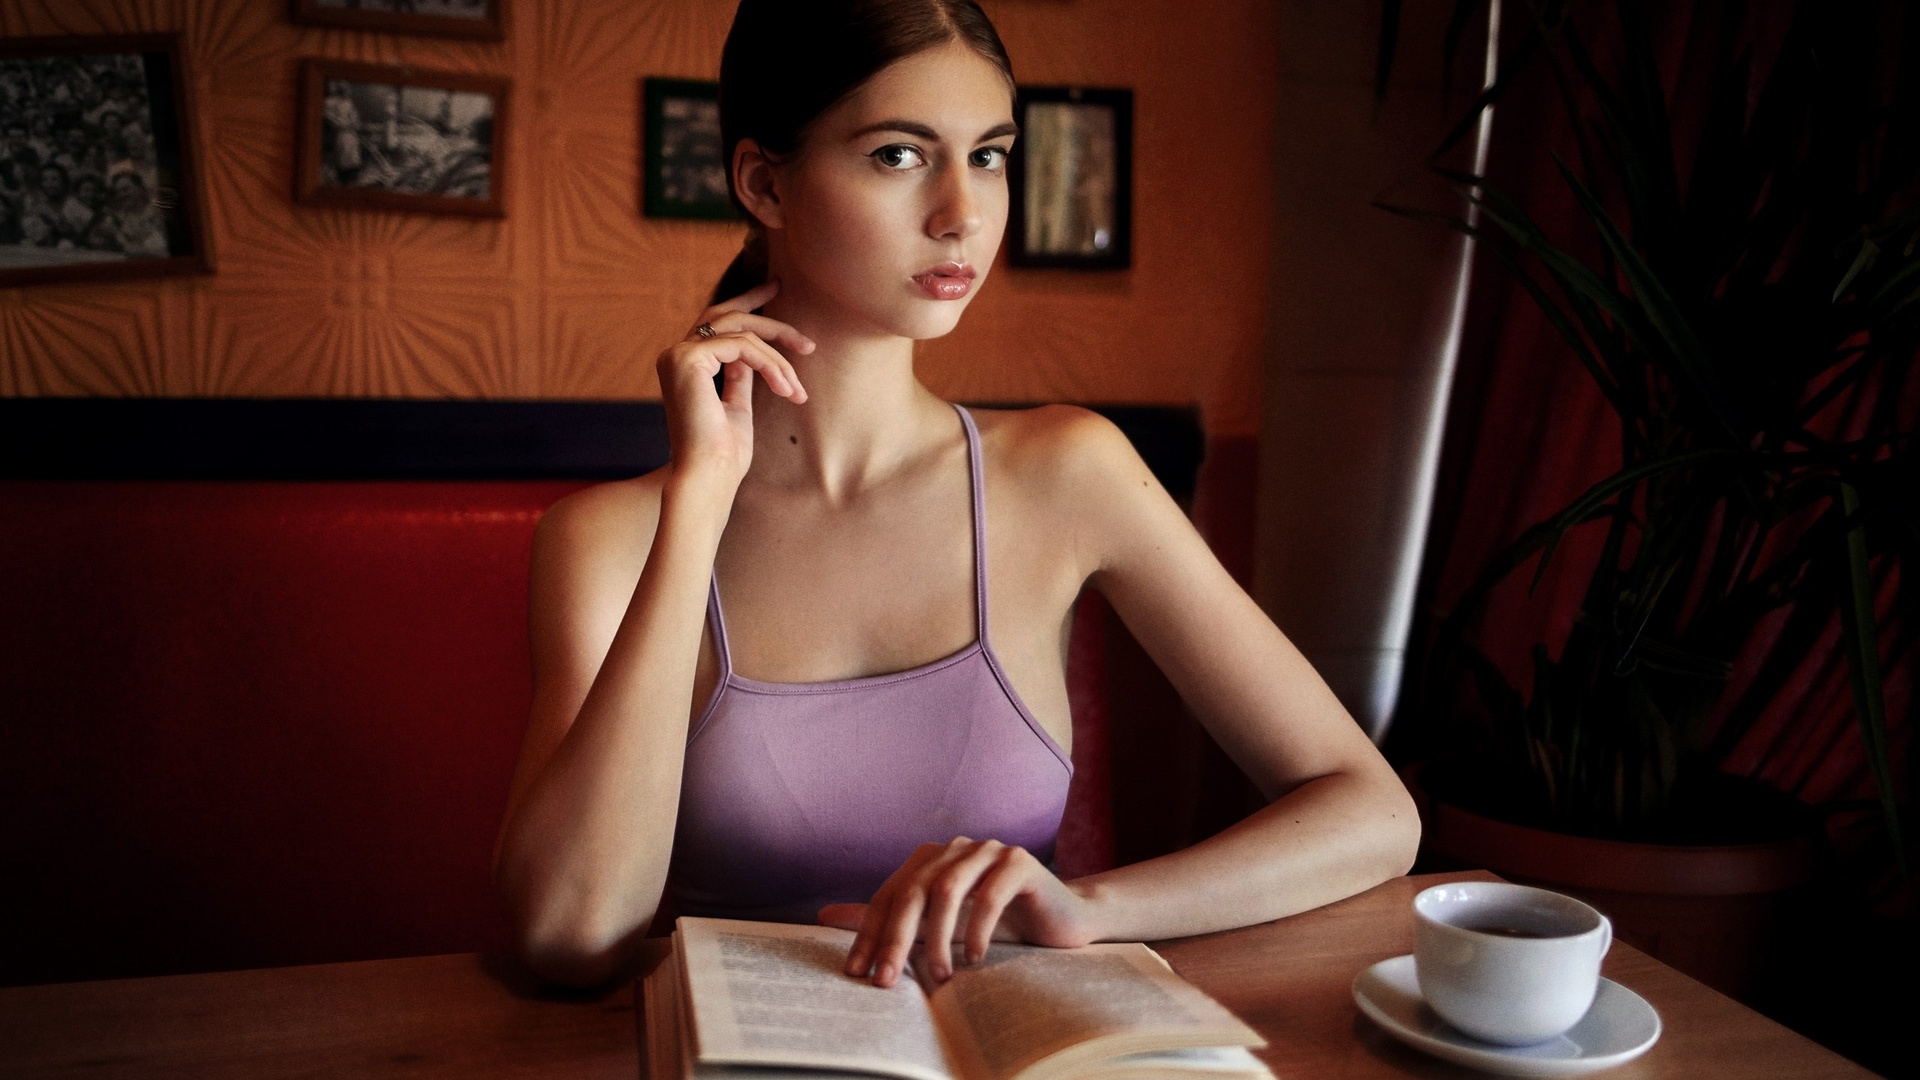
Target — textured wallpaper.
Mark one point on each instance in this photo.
(574, 293)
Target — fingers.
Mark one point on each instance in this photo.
(843, 916)
(710, 355)
(788, 385)
(928, 897)
(873, 949)
(951, 889)
(996, 889)
(769, 362)
(736, 386)
(747, 301)
(738, 314)
(759, 336)
(770, 330)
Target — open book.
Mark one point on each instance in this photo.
(769, 1001)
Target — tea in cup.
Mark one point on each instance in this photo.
(1505, 963)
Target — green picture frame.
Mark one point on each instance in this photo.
(682, 165)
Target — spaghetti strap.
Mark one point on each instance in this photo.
(718, 621)
(722, 654)
(717, 618)
(977, 481)
(798, 795)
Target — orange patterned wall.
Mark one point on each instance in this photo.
(574, 293)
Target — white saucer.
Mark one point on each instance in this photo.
(1618, 1028)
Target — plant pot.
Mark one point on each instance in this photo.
(1714, 911)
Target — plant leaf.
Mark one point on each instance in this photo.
(1515, 63)
(1662, 313)
(1905, 276)
(1868, 251)
(1389, 44)
(1579, 509)
(1562, 323)
(1463, 12)
(1858, 632)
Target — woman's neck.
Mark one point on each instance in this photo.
(866, 413)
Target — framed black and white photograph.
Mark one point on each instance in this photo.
(683, 168)
(398, 138)
(97, 169)
(1072, 179)
(483, 19)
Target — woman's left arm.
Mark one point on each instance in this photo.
(1338, 821)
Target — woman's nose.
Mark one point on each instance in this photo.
(956, 209)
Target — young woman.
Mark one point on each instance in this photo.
(815, 666)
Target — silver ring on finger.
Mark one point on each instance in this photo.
(706, 330)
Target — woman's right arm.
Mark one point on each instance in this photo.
(582, 855)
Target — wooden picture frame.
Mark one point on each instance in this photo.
(682, 164)
(401, 138)
(99, 162)
(1071, 179)
(485, 20)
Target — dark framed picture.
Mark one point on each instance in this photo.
(683, 167)
(399, 138)
(1071, 179)
(484, 19)
(98, 174)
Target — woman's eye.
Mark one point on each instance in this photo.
(990, 157)
(897, 156)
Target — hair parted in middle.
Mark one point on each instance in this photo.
(786, 62)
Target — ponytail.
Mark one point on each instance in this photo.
(747, 270)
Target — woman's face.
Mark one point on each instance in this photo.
(896, 194)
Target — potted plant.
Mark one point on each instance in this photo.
(1753, 325)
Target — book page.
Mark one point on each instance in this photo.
(670, 1042)
(1218, 1062)
(1022, 1005)
(775, 994)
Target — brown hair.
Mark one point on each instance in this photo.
(788, 61)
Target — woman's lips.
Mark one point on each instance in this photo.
(948, 281)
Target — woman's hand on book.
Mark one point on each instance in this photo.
(712, 433)
(981, 890)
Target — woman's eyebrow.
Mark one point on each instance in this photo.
(922, 131)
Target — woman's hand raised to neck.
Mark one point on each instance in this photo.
(866, 411)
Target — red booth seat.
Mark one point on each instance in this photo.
(250, 724)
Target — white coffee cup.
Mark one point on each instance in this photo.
(1505, 963)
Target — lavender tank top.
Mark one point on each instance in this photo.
(797, 795)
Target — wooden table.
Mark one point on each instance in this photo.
(1293, 979)
(472, 1016)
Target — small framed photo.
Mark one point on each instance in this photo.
(398, 138)
(484, 19)
(98, 174)
(684, 166)
(1071, 179)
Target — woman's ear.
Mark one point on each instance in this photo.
(756, 181)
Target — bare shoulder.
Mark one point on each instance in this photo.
(600, 532)
(1060, 450)
(1075, 476)
(606, 514)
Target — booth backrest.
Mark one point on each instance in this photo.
(251, 723)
